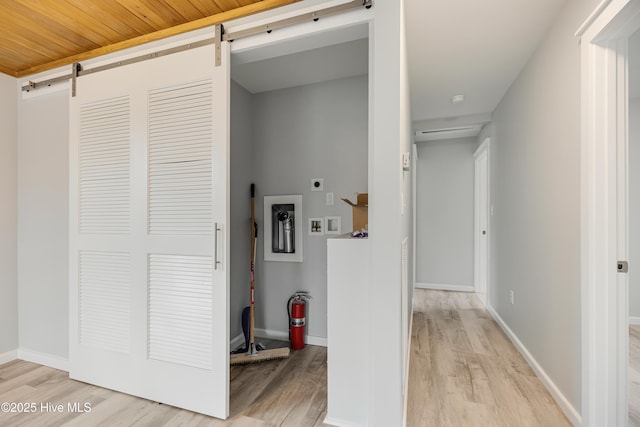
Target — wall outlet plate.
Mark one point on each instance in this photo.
(406, 161)
(317, 184)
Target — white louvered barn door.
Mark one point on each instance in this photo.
(149, 183)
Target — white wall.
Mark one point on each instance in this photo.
(535, 191)
(388, 225)
(634, 206)
(634, 179)
(43, 206)
(405, 142)
(444, 223)
(8, 216)
(312, 131)
(485, 132)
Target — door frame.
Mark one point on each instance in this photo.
(414, 204)
(604, 215)
(483, 150)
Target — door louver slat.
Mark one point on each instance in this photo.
(180, 313)
(104, 300)
(180, 158)
(104, 130)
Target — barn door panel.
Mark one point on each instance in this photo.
(148, 230)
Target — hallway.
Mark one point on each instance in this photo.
(464, 371)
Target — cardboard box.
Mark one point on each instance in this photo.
(360, 211)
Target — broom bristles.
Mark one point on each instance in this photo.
(262, 356)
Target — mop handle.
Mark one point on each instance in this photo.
(254, 235)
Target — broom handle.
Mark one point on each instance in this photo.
(254, 236)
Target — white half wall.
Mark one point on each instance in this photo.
(8, 216)
(444, 212)
(535, 192)
(43, 207)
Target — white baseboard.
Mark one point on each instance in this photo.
(284, 336)
(339, 423)
(633, 320)
(55, 362)
(445, 287)
(568, 409)
(271, 334)
(8, 356)
(319, 341)
(237, 341)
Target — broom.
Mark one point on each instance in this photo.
(253, 354)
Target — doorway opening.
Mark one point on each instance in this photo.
(444, 218)
(299, 117)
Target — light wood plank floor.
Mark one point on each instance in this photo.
(290, 392)
(634, 376)
(465, 372)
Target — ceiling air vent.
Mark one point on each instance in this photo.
(448, 133)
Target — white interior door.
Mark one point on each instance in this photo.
(481, 228)
(149, 207)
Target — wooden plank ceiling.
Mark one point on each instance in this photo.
(38, 35)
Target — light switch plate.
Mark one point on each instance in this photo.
(330, 200)
(406, 161)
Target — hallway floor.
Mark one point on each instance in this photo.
(464, 371)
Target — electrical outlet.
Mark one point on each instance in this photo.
(512, 296)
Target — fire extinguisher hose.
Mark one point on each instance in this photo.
(293, 297)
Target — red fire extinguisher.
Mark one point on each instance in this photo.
(296, 308)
